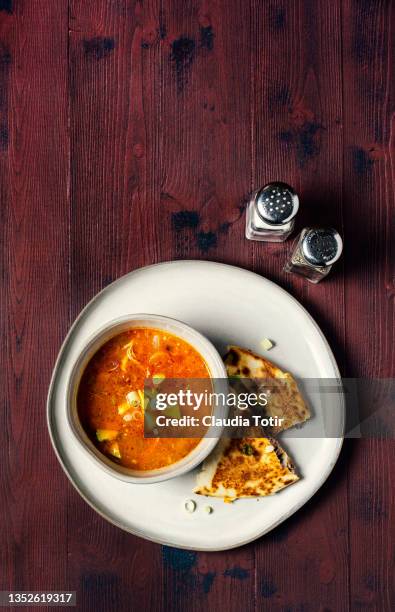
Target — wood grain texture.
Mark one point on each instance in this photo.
(113, 147)
(297, 137)
(34, 287)
(131, 132)
(368, 166)
(204, 105)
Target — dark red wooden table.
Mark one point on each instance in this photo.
(130, 133)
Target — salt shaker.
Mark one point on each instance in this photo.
(315, 252)
(271, 213)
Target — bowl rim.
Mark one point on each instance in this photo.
(91, 346)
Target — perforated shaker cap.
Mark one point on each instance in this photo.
(322, 246)
(277, 203)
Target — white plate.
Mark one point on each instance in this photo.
(230, 306)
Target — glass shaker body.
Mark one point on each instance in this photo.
(271, 211)
(314, 253)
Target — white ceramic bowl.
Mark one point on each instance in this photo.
(182, 330)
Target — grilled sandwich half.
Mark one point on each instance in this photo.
(248, 467)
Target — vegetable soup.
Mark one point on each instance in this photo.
(111, 399)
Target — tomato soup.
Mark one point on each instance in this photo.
(111, 399)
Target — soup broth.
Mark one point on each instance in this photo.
(111, 401)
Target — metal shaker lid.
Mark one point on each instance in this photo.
(322, 247)
(277, 203)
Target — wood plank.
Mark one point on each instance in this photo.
(204, 160)
(205, 139)
(34, 287)
(113, 197)
(297, 132)
(114, 185)
(220, 580)
(369, 220)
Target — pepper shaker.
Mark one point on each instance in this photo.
(315, 252)
(271, 213)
